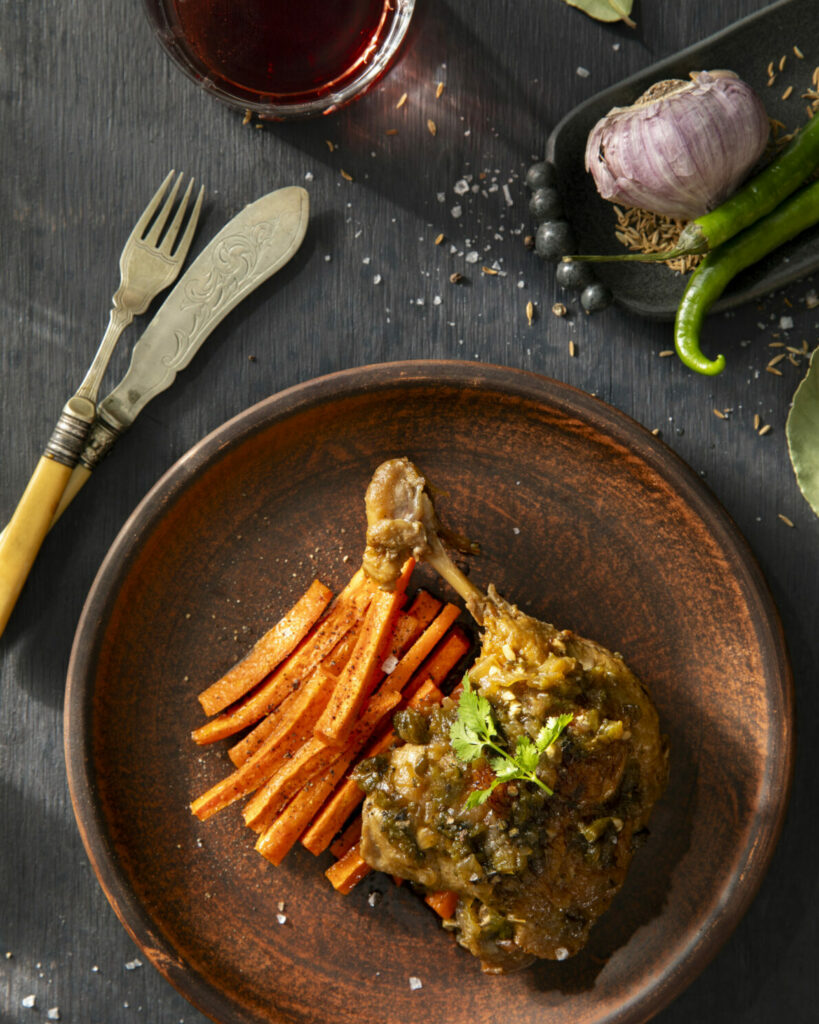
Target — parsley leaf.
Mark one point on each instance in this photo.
(474, 731)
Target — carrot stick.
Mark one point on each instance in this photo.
(346, 873)
(269, 651)
(283, 832)
(362, 671)
(349, 795)
(406, 631)
(347, 610)
(424, 608)
(348, 838)
(293, 726)
(443, 903)
(422, 647)
(442, 662)
(311, 759)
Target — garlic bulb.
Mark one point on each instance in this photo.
(682, 148)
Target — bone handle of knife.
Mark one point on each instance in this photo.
(26, 530)
(79, 477)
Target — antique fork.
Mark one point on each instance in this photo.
(150, 261)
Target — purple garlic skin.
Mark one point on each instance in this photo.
(682, 148)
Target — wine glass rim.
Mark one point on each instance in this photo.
(275, 106)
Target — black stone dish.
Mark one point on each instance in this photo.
(746, 47)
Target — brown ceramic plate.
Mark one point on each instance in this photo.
(586, 520)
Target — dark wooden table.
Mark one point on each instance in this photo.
(93, 116)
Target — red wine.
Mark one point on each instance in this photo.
(284, 48)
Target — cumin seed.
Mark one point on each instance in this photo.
(776, 359)
(773, 369)
(764, 430)
(329, 145)
(432, 127)
(782, 62)
(786, 94)
(439, 90)
(757, 421)
(440, 238)
(530, 312)
(402, 101)
(785, 520)
(666, 352)
(248, 117)
(798, 53)
(345, 175)
(572, 349)
(490, 271)
(721, 415)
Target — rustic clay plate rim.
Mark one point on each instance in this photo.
(645, 1000)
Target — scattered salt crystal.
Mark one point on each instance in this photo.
(415, 983)
(786, 323)
(377, 279)
(133, 964)
(461, 187)
(327, 257)
(309, 176)
(516, 530)
(389, 664)
(280, 905)
(9, 955)
(615, 46)
(95, 969)
(281, 918)
(521, 284)
(561, 953)
(437, 300)
(507, 195)
(812, 300)
(374, 898)
(472, 257)
(457, 211)
(583, 72)
(53, 1013)
(440, 196)
(28, 1002)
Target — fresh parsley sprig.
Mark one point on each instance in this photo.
(474, 730)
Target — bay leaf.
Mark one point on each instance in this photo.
(802, 429)
(605, 10)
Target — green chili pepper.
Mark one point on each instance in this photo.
(754, 200)
(711, 277)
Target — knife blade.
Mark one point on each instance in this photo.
(248, 250)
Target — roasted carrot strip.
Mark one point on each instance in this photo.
(348, 838)
(424, 607)
(269, 651)
(341, 618)
(348, 795)
(293, 726)
(362, 671)
(284, 831)
(443, 903)
(310, 760)
(412, 660)
(442, 662)
(346, 873)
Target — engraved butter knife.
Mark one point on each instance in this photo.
(248, 250)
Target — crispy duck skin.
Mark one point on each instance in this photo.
(533, 871)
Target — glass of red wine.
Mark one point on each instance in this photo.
(283, 59)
